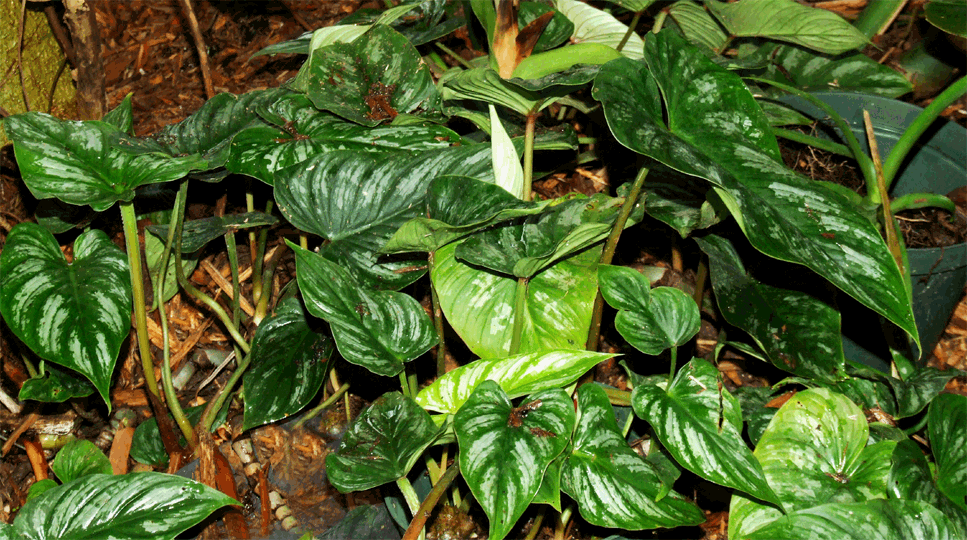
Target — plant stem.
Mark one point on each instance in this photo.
(674, 360)
(455, 56)
(420, 515)
(919, 125)
(130, 223)
(891, 237)
(817, 142)
(617, 397)
(563, 519)
(211, 411)
(404, 383)
(701, 276)
(409, 494)
(631, 30)
(520, 301)
(323, 406)
(608, 253)
(252, 250)
(441, 348)
(536, 527)
(913, 201)
(170, 394)
(529, 128)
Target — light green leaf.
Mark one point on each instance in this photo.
(651, 320)
(382, 445)
(504, 450)
(479, 304)
(508, 172)
(79, 458)
(789, 21)
(141, 505)
(592, 25)
(518, 376)
(700, 424)
(75, 314)
(612, 485)
(92, 163)
(698, 26)
(378, 330)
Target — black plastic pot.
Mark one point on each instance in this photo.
(937, 165)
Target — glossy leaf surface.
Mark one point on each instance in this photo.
(948, 439)
(75, 314)
(697, 25)
(92, 163)
(592, 25)
(79, 458)
(716, 131)
(912, 479)
(504, 450)
(357, 201)
(814, 452)
(700, 424)
(55, 386)
(294, 130)
(612, 485)
(518, 376)
(798, 332)
(651, 320)
(786, 20)
(197, 233)
(381, 445)
(288, 365)
(370, 80)
(135, 506)
(816, 73)
(480, 305)
(378, 330)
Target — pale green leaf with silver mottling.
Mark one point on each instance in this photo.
(948, 439)
(716, 131)
(479, 304)
(75, 314)
(813, 452)
(508, 172)
(517, 375)
(504, 450)
(612, 485)
(140, 505)
(700, 424)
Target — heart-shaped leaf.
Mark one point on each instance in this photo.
(947, 428)
(814, 452)
(288, 366)
(612, 485)
(79, 458)
(76, 314)
(480, 305)
(378, 330)
(592, 25)
(651, 320)
(55, 386)
(370, 80)
(716, 131)
(504, 450)
(911, 479)
(140, 505)
(299, 131)
(789, 21)
(382, 444)
(700, 424)
(91, 163)
(518, 376)
(457, 206)
(798, 333)
(197, 233)
(881, 519)
(357, 201)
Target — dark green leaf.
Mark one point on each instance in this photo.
(289, 361)
(91, 163)
(142, 505)
(504, 450)
(79, 458)
(947, 428)
(651, 320)
(716, 131)
(299, 131)
(948, 15)
(197, 233)
(700, 425)
(367, 522)
(557, 31)
(611, 484)
(55, 386)
(798, 333)
(698, 26)
(911, 479)
(75, 314)
(146, 446)
(358, 200)
(370, 80)
(681, 203)
(378, 330)
(382, 445)
(121, 116)
(58, 217)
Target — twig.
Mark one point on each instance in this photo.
(20, 58)
(91, 95)
(60, 33)
(200, 46)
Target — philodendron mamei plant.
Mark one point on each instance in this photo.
(359, 157)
